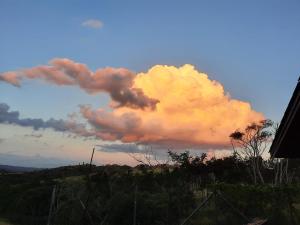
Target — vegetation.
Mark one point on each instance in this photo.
(161, 194)
(187, 190)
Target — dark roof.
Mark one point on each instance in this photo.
(287, 139)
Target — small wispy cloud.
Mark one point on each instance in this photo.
(93, 23)
(127, 148)
(33, 135)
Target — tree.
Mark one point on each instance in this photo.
(252, 143)
(186, 161)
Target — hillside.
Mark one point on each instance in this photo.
(160, 194)
(17, 169)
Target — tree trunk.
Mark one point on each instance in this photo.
(254, 171)
(258, 171)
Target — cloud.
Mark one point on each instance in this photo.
(167, 106)
(13, 117)
(93, 23)
(10, 77)
(127, 148)
(193, 112)
(33, 135)
(117, 82)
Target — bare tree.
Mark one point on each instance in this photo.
(251, 143)
(149, 157)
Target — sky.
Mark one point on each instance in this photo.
(165, 74)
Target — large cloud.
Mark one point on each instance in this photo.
(118, 83)
(193, 111)
(165, 106)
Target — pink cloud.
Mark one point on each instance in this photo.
(117, 82)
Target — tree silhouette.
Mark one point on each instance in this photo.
(250, 145)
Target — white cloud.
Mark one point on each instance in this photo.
(93, 23)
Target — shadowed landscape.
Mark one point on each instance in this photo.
(151, 194)
(149, 112)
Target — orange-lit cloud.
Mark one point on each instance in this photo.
(117, 82)
(10, 77)
(166, 106)
(193, 111)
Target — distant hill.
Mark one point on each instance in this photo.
(17, 169)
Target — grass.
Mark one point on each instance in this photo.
(4, 222)
(70, 179)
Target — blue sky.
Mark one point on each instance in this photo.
(251, 47)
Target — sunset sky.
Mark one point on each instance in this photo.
(166, 74)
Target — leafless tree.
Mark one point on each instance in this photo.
(251, 143)
(149, 157)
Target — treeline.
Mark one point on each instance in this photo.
(152, 194)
